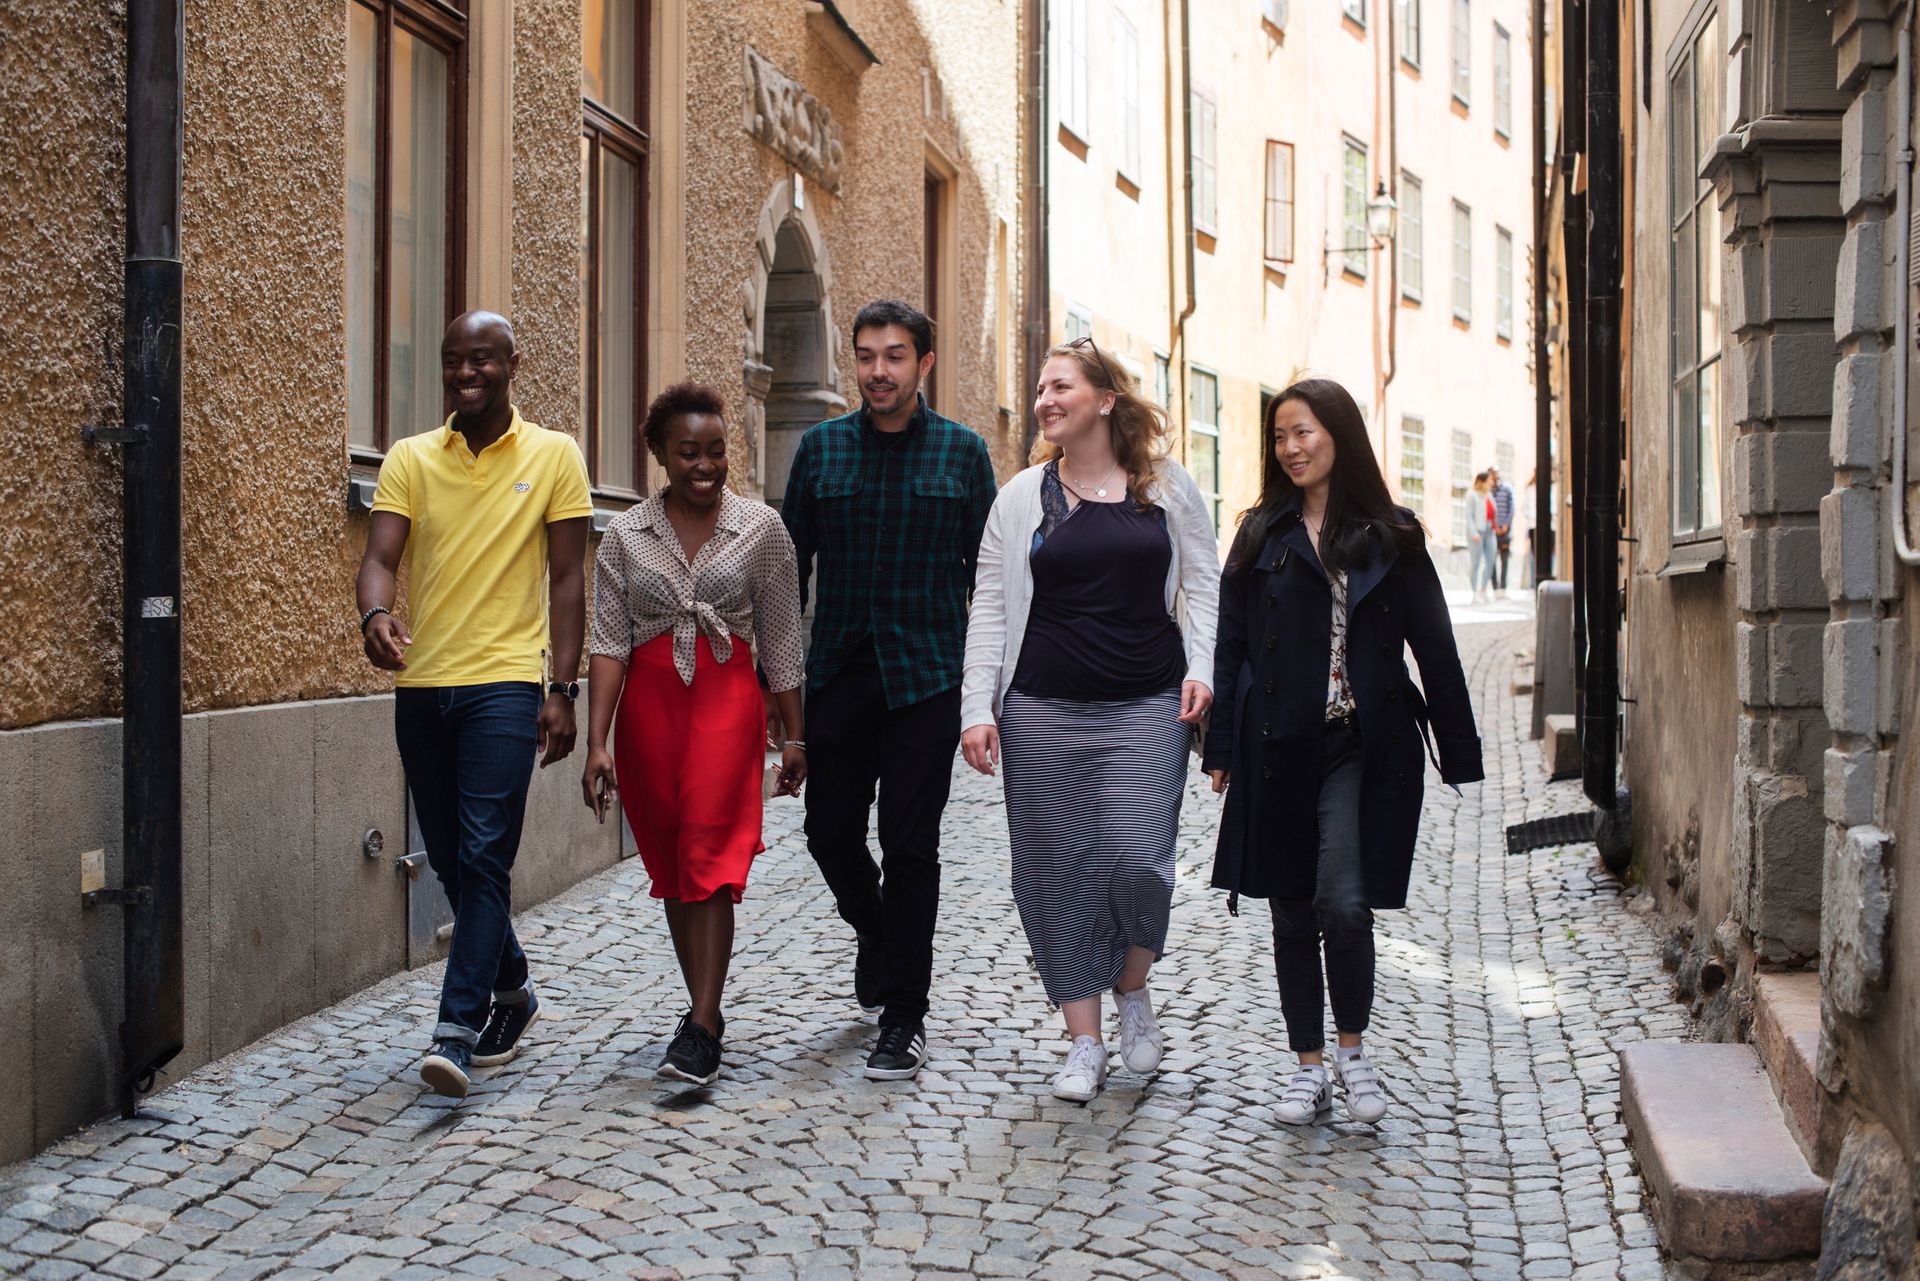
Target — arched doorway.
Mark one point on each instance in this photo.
(792, 380)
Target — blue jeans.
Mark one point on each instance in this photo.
(468, 752)
(1336, 917)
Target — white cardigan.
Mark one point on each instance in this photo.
(1003, 585)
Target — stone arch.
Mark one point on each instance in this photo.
(791, 378)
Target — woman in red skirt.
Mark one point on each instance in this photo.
(684, 584)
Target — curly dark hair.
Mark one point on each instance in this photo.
(681, 398)
(887, 311)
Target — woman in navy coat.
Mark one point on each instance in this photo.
(1319, 728)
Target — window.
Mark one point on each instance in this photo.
(1162, 381)
(1409, 31)
(1503, 283)
(1203, 436)
(1462, 49)
(1079, 323)
(1462, 484)
(933, 258)
(403, 221)
(1413, 463)
(1204, 146)
(1462, 262)
(1413, 259)
(1355, 9)
(1502, 82)
(1353, 206)
(613, 178)
(1070, 21)
(1126, 75)
(1279, 234)
(1275, 11)
(1693, 117)
(1503, 459)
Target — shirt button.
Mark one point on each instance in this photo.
(1269, 687)
(1393, 696)
(1269, 602)
(1269, 642)
(1266, 771)
(1266, 727)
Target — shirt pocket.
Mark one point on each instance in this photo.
(939, 502)
(837, 506)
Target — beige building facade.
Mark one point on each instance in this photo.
(1288, 119)
(651, 191)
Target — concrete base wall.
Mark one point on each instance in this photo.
(284, 914)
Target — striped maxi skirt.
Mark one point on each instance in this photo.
(1093, 806)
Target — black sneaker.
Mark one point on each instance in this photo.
(901, 1050)
(501, 1039)
(445, 1069)
(694, 1054)
(866, 974)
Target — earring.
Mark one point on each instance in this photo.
(1105, 412)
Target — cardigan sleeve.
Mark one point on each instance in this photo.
(986, 624)
(1199, 571)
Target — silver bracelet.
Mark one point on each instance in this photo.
(794, 742)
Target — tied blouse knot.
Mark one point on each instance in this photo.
(744, 582)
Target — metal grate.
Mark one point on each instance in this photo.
(1561, 829)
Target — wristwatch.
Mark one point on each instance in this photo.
(570, 688)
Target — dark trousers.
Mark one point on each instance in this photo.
(468, 752)
(1505, 554)
(855, 744)
(1337, 917)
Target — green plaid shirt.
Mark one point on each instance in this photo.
(895, 528)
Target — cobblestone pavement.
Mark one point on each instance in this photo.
(1504, 991)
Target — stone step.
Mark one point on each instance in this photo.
(1728, 1181)
(1786, 1035)
(1561, 745)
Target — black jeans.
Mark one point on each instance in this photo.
(1505, 554)
(468, 752)
(855, 743)
(1337, 915)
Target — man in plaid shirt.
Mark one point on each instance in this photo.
(886, 506)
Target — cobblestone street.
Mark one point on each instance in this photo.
(1505, 990)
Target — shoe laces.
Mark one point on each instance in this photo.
(1082, 1058)
(497, 1024)
(895, 1038)
(1304, 1086)
(1134, 1014)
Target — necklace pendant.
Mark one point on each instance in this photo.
(1101, 492)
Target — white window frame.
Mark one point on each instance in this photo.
(1462, 477)
(1126, 84)
(1410, 32)
(1070, 22)
(1463, 52)
(1413, 461)
(1203, 152)
(1412, 237)
(1209, 426)
(1462, 263)
(1695, 328)
(1502, 81)
(1277, 237)
(1353, 206)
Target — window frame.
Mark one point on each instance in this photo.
(603, 129)
(1076, 109)
(1502, 82)
(445, 29)
(1461, 475)
(1409, 22)
(1685, 210)
(1205, 161)
(1269, 203)
(1462, 86)
(1126, 56)
(1210, 428)
(1413, 478)
(1077, 323)
(1412, 237)
(1354, 11)
(1502, 283)
(1353, 230)
(1462, 273)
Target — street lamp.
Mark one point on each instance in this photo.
(1383, 216)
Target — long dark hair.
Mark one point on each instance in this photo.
(1360, 511)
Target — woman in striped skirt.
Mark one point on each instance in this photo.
(1081, 679)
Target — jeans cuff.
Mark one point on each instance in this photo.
(455, 1032)
(515, 995)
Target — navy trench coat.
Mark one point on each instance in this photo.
(1270, 683)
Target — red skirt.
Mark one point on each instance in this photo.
(689, 760)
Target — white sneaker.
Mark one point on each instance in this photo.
(1085, 1072)
(1308, 1096)
(1366, 1100)
(1140, 1043)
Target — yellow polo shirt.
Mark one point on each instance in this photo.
(477, 548)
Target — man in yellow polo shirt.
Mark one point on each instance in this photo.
(490, 512)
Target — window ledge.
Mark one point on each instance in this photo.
(1695, 557)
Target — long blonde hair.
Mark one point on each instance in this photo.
(1137, 427)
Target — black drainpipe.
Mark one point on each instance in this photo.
(1573, 236)
(1038, 324)
(1542, 514)
(1600, 706)
(154, 1025)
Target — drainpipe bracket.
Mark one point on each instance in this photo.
(114, 435)
(132, 896)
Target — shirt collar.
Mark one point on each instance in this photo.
(915, 424)
(448, 436)
(732, 518)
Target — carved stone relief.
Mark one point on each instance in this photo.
(797, 125)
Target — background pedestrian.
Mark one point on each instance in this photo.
(1481, 544)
